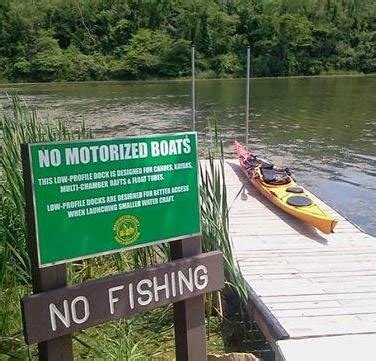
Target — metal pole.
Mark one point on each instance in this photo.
(247, 100)
(193, 90)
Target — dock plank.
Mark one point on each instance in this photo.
(343, 348)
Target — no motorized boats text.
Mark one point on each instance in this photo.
(112, 152)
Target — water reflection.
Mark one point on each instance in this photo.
(322, 128)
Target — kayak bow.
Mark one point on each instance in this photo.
(280, 188)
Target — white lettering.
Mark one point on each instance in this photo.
(173, 284)
(143, 150)
(154, 149)
(163, 147)
(74, 311)
(161, 287)
(127, 151)
(111, 298)
(55, 157)
(84, 155)
(44, 159)
(186, 145)
(131, 296)
(72, 156)
(104, 153)
(54, 311)
(49, 157)
(188, 282)
(114, 152)
(144, 292)
(203, 278)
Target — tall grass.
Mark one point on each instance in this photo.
(239, 332)
(142, 337)
(20, 125)
(215, 212)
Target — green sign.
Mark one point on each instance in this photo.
(95, 197)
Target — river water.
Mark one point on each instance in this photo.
(323, 128)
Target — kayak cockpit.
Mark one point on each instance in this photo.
(273, 176)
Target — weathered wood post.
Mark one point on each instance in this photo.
(43, 279)
(189, 315)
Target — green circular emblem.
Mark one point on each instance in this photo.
(126, 229)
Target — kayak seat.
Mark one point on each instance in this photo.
(255, 162)
(273, 176)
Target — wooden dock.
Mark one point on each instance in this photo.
(313, 295)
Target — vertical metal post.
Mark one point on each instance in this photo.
(247, 100)
(193, 90)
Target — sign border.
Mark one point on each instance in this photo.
(44, 265)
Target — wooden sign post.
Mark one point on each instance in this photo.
(95, 197)
(189, 315)
(43, 279)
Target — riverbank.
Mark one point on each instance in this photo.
(199, 76)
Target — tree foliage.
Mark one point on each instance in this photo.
(45, 40)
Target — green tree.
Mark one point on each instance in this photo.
(48, 63)
(44, 40)
(144, 54)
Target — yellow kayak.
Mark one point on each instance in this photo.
(280, 188)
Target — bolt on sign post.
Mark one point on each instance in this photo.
(94, 197)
